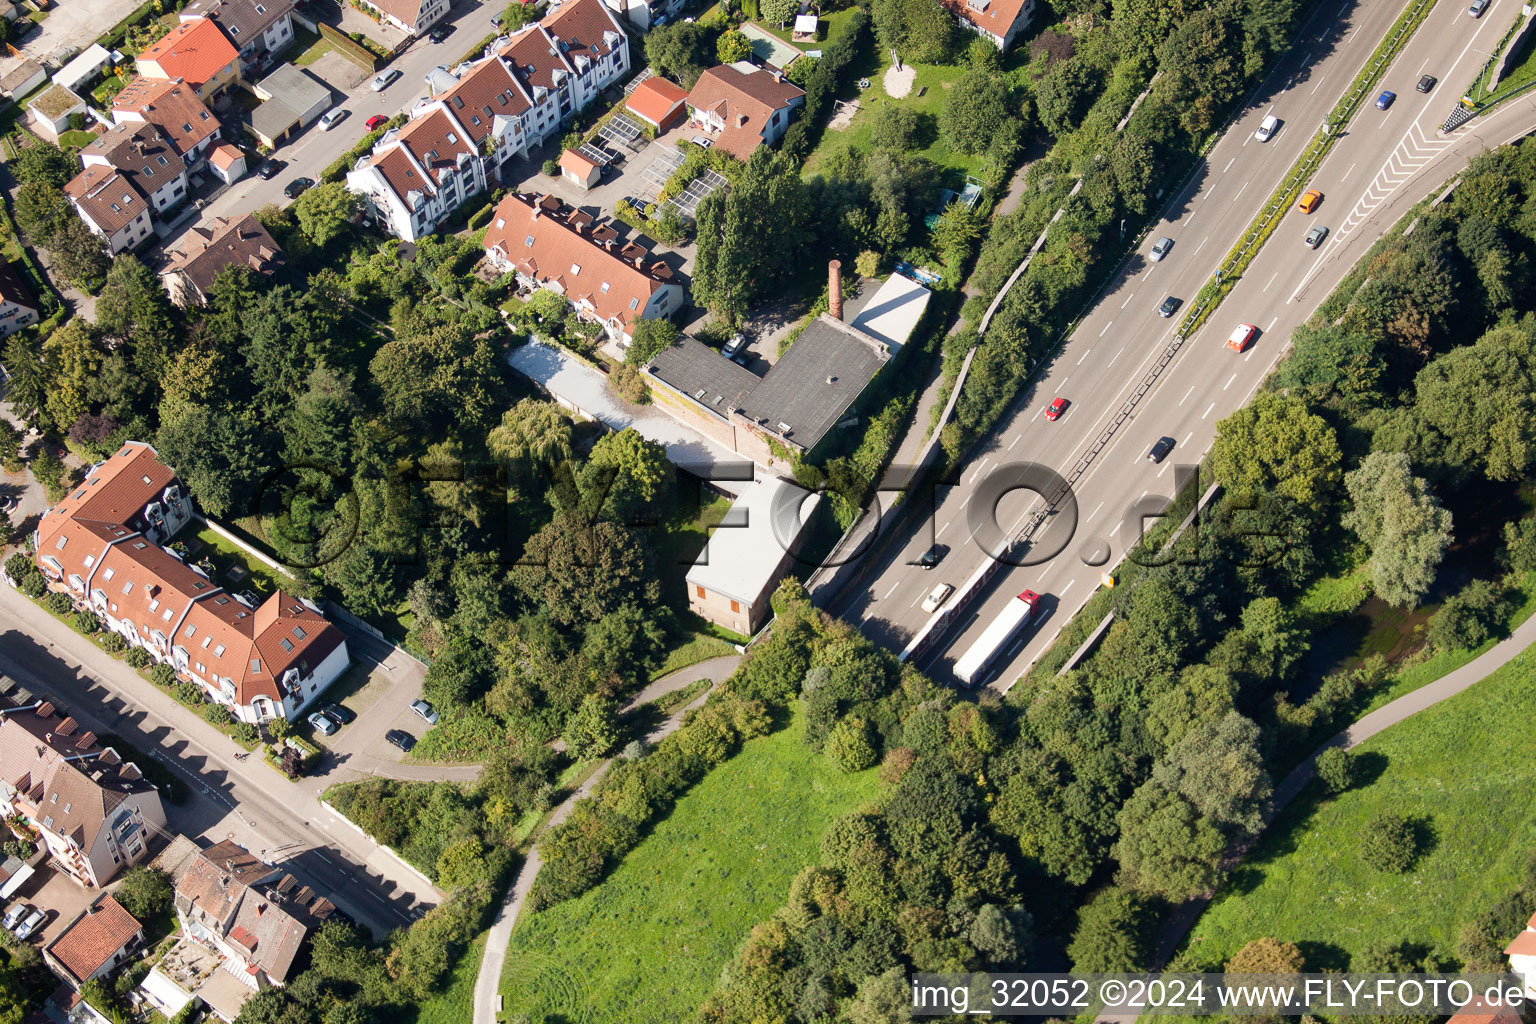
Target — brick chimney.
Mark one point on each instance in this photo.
(835, 289)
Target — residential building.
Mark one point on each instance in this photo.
(132, 175)
(207, 251)
(174, 108)
(83, 67)
(748, 553)
(484, 113)
(103, 546)
(291, 98)
(550, 246)
(196, 52)
(647, 14)
(999, 21)
(253, 915)
(412, 17)
(258, 29)
(747, 105)
(96, 943)
(93, 812)
(658, 102)
(22, 79)
(52, 109)
(18, 307)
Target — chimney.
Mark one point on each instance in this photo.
(835, 289)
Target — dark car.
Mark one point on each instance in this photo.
(933, 556)
(1426, 83)
(440, 33)
(1170, 306)
(1160, 450)
(298, 186)
(400, 738)
(269, 168)
(343, 715)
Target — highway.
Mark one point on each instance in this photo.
(1385, 162)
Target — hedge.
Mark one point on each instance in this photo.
(342, 164)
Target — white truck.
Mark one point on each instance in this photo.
(1014, 616)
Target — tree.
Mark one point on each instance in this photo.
(325, 211)
(1063, 95)
(681, 51)
(1267, 956)
(1335, 769)
(848, 745)
(533, 432)
(1468, 617)
(443, 374)
(895, 128)
(1404, 525)
(1217, 767)
(974, 112)
(1480, 399)
(43, 163)
(1114, 933)
(920, 31)
(78, 252)
(639, 481)
(40, 211)
(1277, 639)
(1389, 842)
(579, 570)
(626, 641)
(1165, 848)
(133, 308)
(591, 732)
(456, 679)
(1519, 544)
(956, 233)
(780, 12)
(1275, 444)
(732, 46)
(1001, 933)
(145, 892)
(651, 338)
(71, 357)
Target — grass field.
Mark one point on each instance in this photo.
(647, 944)
(1463, 767)
(454, 1004)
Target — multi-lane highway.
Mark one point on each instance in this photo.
(1386, 161)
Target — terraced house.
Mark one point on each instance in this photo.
(485, 113)
(133, 174)
(103, 546)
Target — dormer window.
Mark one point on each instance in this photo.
(149, 172)
(234, 30)
(604, 288)
(575, 269)
(128, 587)
(206, 641)
(187, 127)
(218, 652)
(527, 241)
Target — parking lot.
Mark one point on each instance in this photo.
(56, 894)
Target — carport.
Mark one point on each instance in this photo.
(291, 99)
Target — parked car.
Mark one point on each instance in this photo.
(1170, 306)
(400, 738)
(933, 556)
(937, 596)
(699, 140)
(440, 33)
(1241, 337)
(383, 80)
(1309, 200)
(267, 170)
(15, 915)
(323, 725)
(1315, 236)
(1267, 128)
(27, 927)
(298, 186)
(1385, 99)
(376, 122)
(344, 715)
(331, 118)
(735, 345)
(1478, 7)
(1055, 409)
(1160, 450)
(425, 710)
(1426, 83)
(1160, 248)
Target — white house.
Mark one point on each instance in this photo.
(412, 17)
(132, 174)
(999, 21)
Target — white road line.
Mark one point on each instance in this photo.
(979, 470)
(1164, 469)
(1085, 356)
(1187, 394)
(1351, 170)
(1240, 192)
(1207, 414)
(1114, 357)
(1271, 280)
(1095, 511)
(888, 593)
(1271, 325)
(1229, 383)
(1188, 439)
(942, 529)
(1116, 529)
(1202, 243)
(1106, 328)
(1319, 84)
(1227, 168)
(1128, 299)
(1066, 588)
(1014, 442)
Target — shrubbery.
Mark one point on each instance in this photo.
(1389, 842)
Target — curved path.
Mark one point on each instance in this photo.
(492, 962)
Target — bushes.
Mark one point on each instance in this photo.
(57, 603)
(1469, 617)
(139, 658)
(217, 715)
(189, 693)
(163, 676)
(113, 642)
(1336, 769)
(1390, 842)
(245, 734)
(344, 163)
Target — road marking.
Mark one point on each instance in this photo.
(1319, 84)
(888, 593)
(1162, 471)
(1350, 171)
(1190, 438)
(1229, 383)
(1095, 511)
(1271, 280)
(1240, 192)
(1114, 357)
(942, 529)
(1227, 168)
(1128, 299)
(1085, 356)
(1015, 441)
(1271, 325)
(1187, 394)
(1066, 588)
(980, 470)
(1116, 529)
(1106, 328)
(1202, 242)
(1207, 414)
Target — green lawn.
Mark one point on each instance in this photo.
(76, 140)
(691, 652)
(262, 578)
(648, 943)
(453, 1004)
(1464, 767)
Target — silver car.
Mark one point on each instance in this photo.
(425, 710)
(1160, 248)
(24, 932)
(383, 80)
(15, 914)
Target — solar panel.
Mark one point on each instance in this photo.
(621, 130)
(596, 154)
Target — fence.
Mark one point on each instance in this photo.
(350, 48)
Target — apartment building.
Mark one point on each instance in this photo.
(257, 29)
(132, 174)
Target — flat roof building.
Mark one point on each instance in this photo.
(748, 553)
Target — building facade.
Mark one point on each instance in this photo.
(132, 174)
(196, 52)
(257, 29)
(413, 17)
(18, 307)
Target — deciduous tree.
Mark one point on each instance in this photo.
(1402, 522)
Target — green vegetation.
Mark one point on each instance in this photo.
(691, 652)
(454, 1002)
(682, 901)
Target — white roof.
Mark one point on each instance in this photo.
(892, 315)
(805, 23)
(745, 551)
(91, 60)
(170, 997)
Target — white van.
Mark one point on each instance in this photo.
(1267, 129)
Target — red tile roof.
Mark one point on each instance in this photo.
(655, 99)
(536, 57)
(223, 156)
(997, 18)
(90, 941)
(486, 90)
(582, 29)
(406, 10)
(744, 101)
(208, 251)
(1478, 1011)
(577, 164)
(194, 50)
(1524, 945)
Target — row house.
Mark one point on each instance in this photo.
(413, 17)
(103, 545)
(132, 174)
(196, 52)
(93, 811)
(483, 114)
(171, 106)
(257, 29)
(549, 246)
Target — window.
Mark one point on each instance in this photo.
(698, 592)
(527, 241)
(162, 161)
(286, 644)
(575, 268)
(634, 303)
(190, 632)
(149, 172)
(65, 540)
(735, 606)
(201, 668)
(604, 288)
(298, 631)
(255, 666)
(139, 545)
(165, 616)
(206, 641)
(90, 560)
(128, 587)
(221, 599)
(187, 128)
(218, 652)
(154, 603)
(234, 30)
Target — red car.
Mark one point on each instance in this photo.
(376, 122)
(1055, 409)
(1241, 337)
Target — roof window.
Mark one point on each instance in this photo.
(218, 652)
(298, 631)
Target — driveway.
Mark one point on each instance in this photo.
(56, 894)
(74, 23)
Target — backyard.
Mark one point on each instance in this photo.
(648, 943)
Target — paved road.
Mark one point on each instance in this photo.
(1385, 162)
(281, 821)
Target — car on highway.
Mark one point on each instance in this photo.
(267, 169)
(14, 916)
(1478, 7)
(400, 738)
(1170, 306)
(440, 33)
(1055, 409)
(1315, 236)
(1267, 128)
(425, 710)
(1309, 200)
(1160, 450)
(323, 725)
(24, 930)
(1426, 83)
(376, 122)
(937, 596)
(1241, 337)
(331, 118)
(933, 556)
(1160, 248)
(297, 187)
(1385, 99)
(383, 80)
(344, 715)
